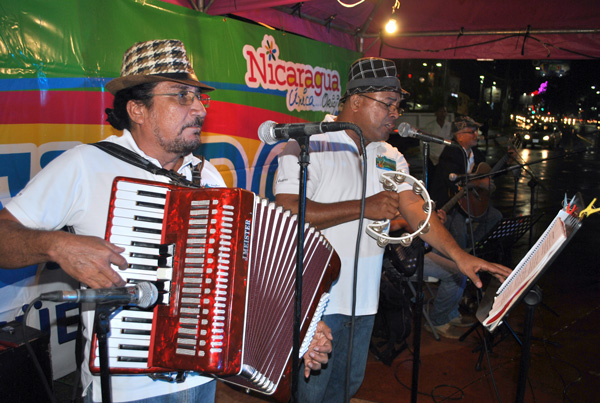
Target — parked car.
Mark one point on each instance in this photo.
(544, 135)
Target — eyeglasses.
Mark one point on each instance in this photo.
(186, 98)
(391, 107)
(470, 131)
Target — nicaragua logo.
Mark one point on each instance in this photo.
(307, 87)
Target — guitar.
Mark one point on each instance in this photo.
(479, 196)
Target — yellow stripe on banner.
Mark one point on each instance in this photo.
(39, 134)
(64, 136)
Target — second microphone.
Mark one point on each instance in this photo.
(270, 132)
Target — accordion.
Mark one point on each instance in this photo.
(224, 261)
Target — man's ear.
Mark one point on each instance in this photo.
(355, 101)
(137, 111)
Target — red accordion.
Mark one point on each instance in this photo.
(224, 261)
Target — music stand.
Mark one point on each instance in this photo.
(503, 236)
(521, 285)
(499, 240)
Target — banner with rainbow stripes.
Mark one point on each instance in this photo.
(56, 57)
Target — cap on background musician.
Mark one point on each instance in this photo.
(160, 106)
(371, 101)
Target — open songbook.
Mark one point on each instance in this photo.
(530, 268)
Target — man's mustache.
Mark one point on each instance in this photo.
(195, 123)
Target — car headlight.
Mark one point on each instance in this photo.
(546, 138)
(527, 137)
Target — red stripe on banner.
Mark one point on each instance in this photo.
(75, 107)
(241, 120)
(87, 107)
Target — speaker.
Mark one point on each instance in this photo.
(19, 379)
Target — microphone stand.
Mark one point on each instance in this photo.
(426, 148)
(102, 328)
(419, 263)
(303, 161)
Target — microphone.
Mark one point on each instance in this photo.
(143, 294)
(270, 132)
(406, 130)
(456, 177)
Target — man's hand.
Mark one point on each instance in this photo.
(88, 259)
(442, 215)
(319, 349)
(382, 206)
(470, 265)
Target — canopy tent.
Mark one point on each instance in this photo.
(432, 29)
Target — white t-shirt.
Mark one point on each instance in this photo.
(334, 175)
(435, 150)
(74, 190)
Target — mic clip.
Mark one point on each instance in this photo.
(170, 377)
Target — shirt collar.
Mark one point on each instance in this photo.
(132, 145)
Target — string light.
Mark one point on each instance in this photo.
(392, 26)
(350, 5)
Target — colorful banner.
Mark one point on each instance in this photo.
(56, 57)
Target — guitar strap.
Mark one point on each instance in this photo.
(470, 162)
(137, 160)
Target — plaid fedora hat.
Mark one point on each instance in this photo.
(153, 61)
(461, 122)
(373, 74)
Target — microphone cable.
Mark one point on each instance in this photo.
(356, 257)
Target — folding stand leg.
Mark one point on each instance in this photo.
(425, 314)
(532, 299)
(487, 341)
(468, 332)
(102, 328)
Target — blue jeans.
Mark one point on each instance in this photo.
(449, 293)
(204, 393)
(328, 384)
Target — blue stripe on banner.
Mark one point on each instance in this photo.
(44, 83)
(244, 88)
(9, 277)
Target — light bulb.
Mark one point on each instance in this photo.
(392, 26)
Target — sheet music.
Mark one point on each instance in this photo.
(528, 268)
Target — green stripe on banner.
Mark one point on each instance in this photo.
(73, 38)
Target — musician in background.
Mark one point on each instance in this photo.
(371, 101)
(441, 128)
(461, 160)
(160, 106)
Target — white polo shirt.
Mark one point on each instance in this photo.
(74, 190)
(334, 175)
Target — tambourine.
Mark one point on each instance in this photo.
(379, 230)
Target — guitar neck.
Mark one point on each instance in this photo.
(502, 161)
(450, 203)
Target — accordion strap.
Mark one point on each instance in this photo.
(129, 156)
